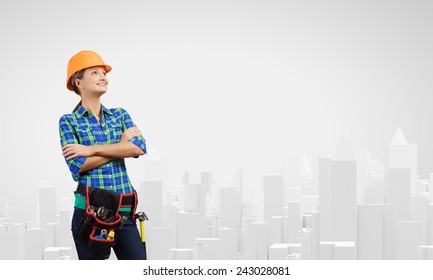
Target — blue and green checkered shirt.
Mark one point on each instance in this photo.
(81, 127)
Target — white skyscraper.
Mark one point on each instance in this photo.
(325, 203)
(273, 196)
(399, 176)
(343, 194)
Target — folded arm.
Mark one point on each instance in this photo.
(80, 158)
(94, 162)
(100, 154)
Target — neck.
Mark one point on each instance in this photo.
(93, 105)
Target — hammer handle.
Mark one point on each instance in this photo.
(143, 237)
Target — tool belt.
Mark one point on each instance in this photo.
(102, 220)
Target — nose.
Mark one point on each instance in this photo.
(103, 78)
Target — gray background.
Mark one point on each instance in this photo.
(216, 85)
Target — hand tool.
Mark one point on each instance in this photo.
(141, 216)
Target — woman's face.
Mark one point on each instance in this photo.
(94, 81)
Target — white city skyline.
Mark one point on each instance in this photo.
(356, 210)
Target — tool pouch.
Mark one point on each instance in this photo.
(102, 213)
(99, 248)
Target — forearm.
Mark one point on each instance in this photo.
(118, 150)
(93, 162)
(131, 145)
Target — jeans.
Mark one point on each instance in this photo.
(128, 242)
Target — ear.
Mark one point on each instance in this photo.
(77, 82)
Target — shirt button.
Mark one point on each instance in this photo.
(111, 187)
(109, 175)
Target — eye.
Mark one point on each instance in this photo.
(94, 72)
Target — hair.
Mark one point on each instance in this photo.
(77, 75)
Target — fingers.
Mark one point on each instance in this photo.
(67, 146)
(69, 151)
(71, 157)
(133, 129)
(131, 132)
(136, 133)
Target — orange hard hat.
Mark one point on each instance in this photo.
(83, 60)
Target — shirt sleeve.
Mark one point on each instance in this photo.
(139, 141)
(67, 136)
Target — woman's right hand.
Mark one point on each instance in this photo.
(71, 151)
(129, 133)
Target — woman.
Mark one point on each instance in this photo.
(95, 141)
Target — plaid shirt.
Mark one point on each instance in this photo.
(81, 127)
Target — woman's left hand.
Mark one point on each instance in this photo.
(71, 151)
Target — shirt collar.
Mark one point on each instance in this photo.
(106, 111)
(81, 111)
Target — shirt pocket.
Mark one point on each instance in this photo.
(114, 133)
(85, 136)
